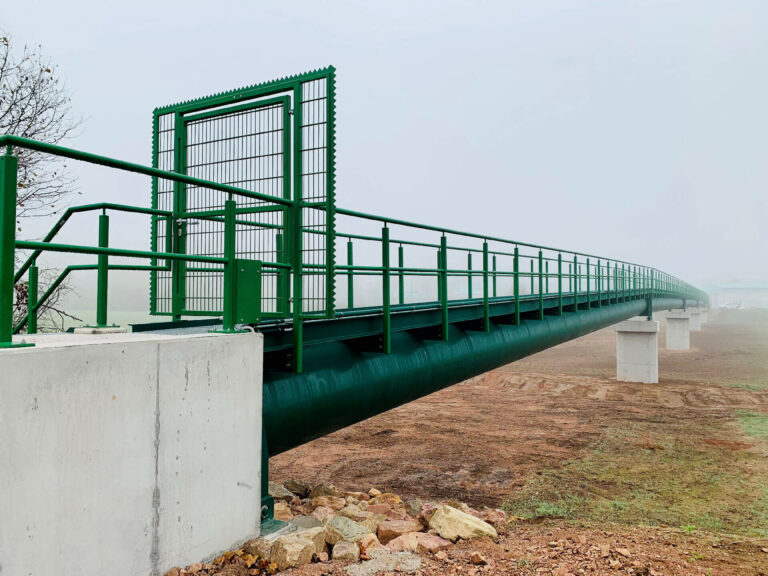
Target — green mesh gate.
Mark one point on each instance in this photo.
(275, 138)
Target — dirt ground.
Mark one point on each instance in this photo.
(675, 472)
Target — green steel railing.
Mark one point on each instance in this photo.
(542, 279)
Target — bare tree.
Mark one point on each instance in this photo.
(34, 103)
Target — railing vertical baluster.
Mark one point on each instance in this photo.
(102, 281)
(589, 291)
(494, 275)
(541, 286)
(469, 275)
(350, 275)
(32, 299)
(486, 307)
(444, 284)
(401, 275)
(385, 290)
(559, 284)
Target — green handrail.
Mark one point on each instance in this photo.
(628, 281)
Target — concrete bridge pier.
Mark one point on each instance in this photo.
(695, 319)
(679, 330)
(637, 351)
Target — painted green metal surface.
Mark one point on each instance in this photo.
(343, 384)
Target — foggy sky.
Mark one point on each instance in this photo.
(637, 130)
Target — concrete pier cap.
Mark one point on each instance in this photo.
(637, 351)
(679, 330)
(128, 453)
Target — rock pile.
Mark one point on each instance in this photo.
(371, 531)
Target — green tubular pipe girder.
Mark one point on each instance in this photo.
(343, 384)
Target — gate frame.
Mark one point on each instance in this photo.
(289, 86)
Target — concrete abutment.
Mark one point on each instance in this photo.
(128, 450)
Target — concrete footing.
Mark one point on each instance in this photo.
(637, 351)
(128, 453)
(678, 330)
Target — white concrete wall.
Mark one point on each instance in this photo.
(678, 331)
(637, 351)
(128, 454)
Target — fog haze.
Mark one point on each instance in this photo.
(636, 130)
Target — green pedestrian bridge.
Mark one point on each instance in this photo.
(360, 313)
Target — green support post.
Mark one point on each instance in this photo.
(401, 275)
(650, 298)
(350, 276)
(559, 284)
(570, 277)
(516, 278)
(102, 273)
(230, 238)
(32, 299)
(575, 283)
(634, 282)
(297, 259)
(486, 307)
(444, 284)
(8, 175)
(541, 285)
(179, 228)
(439, 277)
(589, 291)
(533, 288)
(599, 284)
(283, 277)
(469, 275)
(623, 283)
(385, 289)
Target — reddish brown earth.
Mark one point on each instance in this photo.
(486, 440)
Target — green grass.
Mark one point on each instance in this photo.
(655, 473)
(757, 386)
(753, 423)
